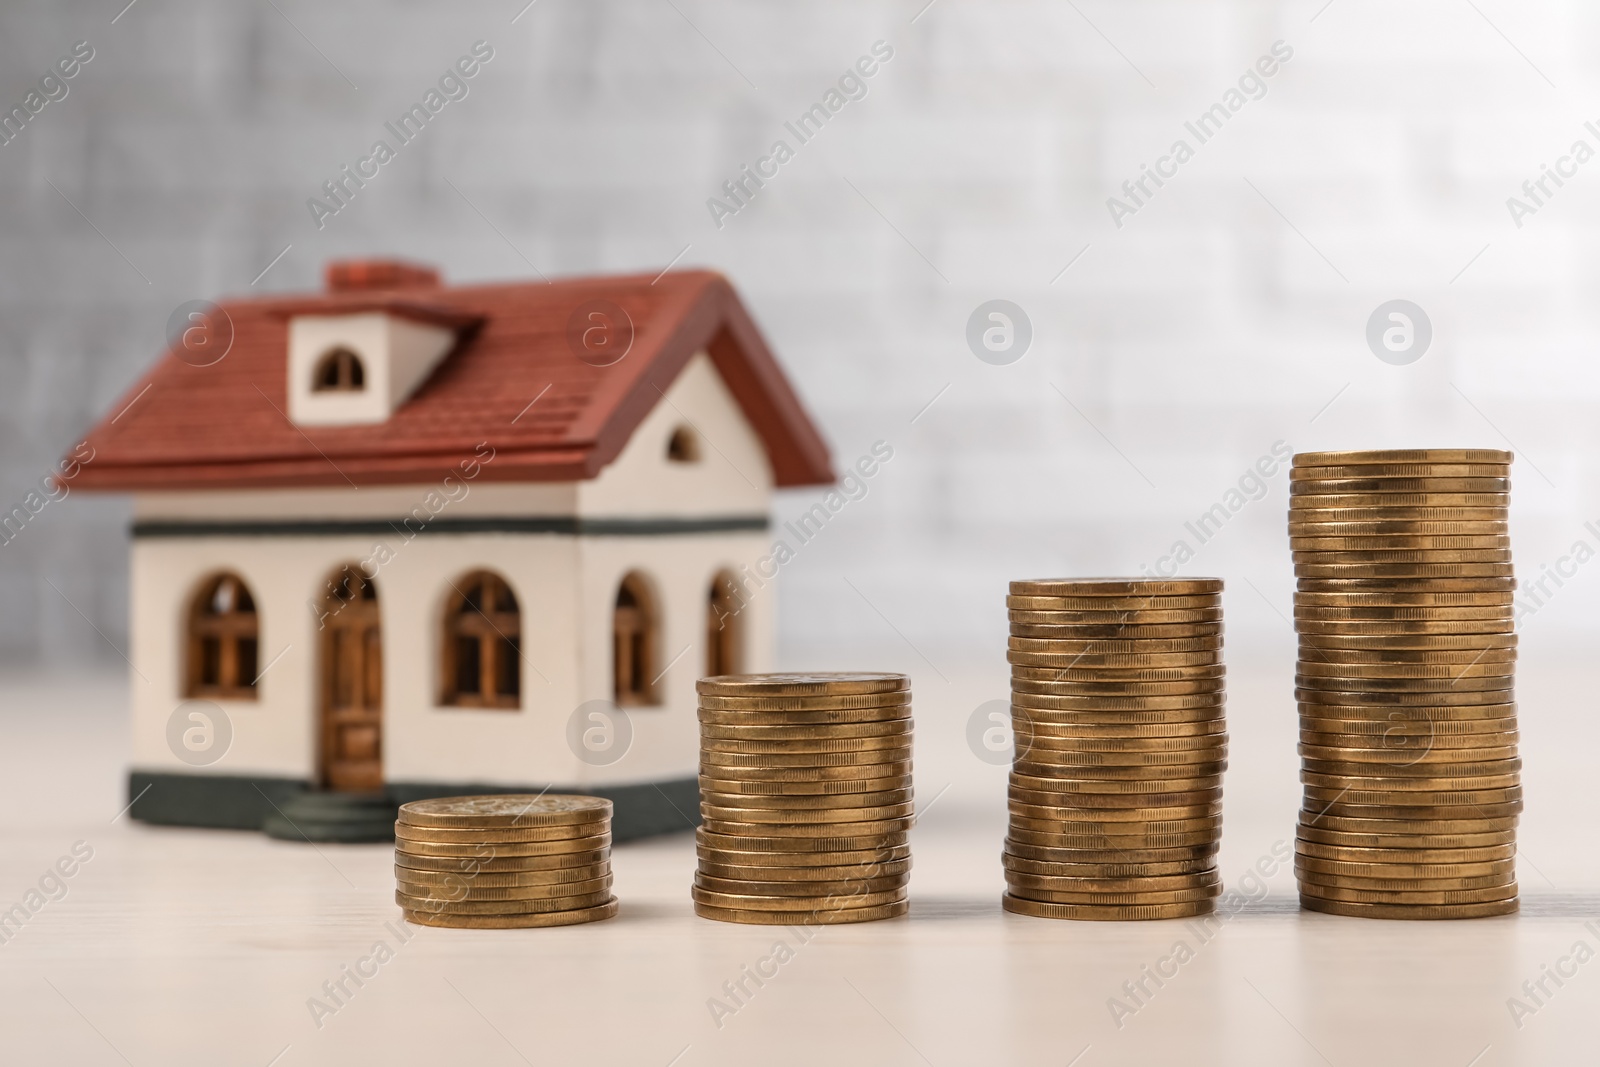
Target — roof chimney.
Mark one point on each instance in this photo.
(361, 275)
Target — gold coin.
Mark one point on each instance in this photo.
(1065, 808)
(1401, 542)
(1400, 485)
(1119, 913)
(1180, 798)
(793, 818)
(506, 810)
(1105, 899)
(1405, 585)
(803, 875)
(1375, 896)
(1116, 659)
(1436, 656)
(709, 851)
(801, 684)
(489, 863)
(1204, 854)
(1467, 765)
(1162, 617)
(499, 835)
(1465, 704)
(1320, 472)
(808, 746)
(716, 762)
(424, 905)
(1392, 598)
(1116, 587)
(1109, 603)
(1058, 821)
(482, 850)
(1405, 642)
(1395, 671)
(1422, 753)
(1394, 780)
(1385, 854)
(1408, 803)
(837, 773)
(748, 787)
(752, 902)
(1119, 778)
(1310, 522)
(1402, 628)
(489, 880)
(1320, 734)
(1471, 505)
(1048, 784)
(808, 801)
(1048, 696)
(1440, 725)
(1157, 883)
(803, 732)
(1346, 839)
(1107, 870)
(1048, 639)
(800, 894)
(434, 894)
(827, 917)
(1413, 613)
(1054, 626)
(507, 922)
(1151, 839)
(820, 843)
(1490, 815)
(1400, 556)
(1096, 744)
(1055, 733)
(1058, 682)
(808, 703)
(1363, 457)
(1386, 826)
(1410, 911)
(841, 716)
(809, 831)
(1403, 570)
(1072, 670)
(1467, 682)
(1404, 884)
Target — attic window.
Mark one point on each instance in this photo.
(340, 371)
(683, 446)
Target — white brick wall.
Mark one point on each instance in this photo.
(1193, 337)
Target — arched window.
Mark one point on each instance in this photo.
(683, 446)
(340, 371)
(482, 658)
(223, 640)
(724, 653)
(633, 643)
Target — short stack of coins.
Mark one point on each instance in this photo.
(805, 798)
(1408, 729)
(510, 860)
(1117, 706)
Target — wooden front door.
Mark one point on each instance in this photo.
(352, 687)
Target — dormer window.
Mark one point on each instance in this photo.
(339, 371)
(683, 446)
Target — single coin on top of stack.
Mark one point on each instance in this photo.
(1116, 786)
(503, 861)
(805, 798)
(1408, 729)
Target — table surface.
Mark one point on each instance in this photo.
(175, 946)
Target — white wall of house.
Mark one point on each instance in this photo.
(566, 587)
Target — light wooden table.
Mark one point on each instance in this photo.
(193, 947)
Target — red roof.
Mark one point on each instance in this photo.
(226, 425)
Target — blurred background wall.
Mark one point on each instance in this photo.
(1173, 344)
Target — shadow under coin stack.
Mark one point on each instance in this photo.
(1116, 787)
(805, 798)
(504, 861)
(1408, 730)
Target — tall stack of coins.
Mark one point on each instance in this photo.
(1408, 730)
(504, 861)
(1116, 786)
(805, 798)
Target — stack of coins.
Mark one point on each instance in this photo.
(504, 861)
(1116, 785)
(1408, 730)
(805, 798)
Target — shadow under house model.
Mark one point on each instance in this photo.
(406, 540)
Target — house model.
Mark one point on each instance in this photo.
(398, 540)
